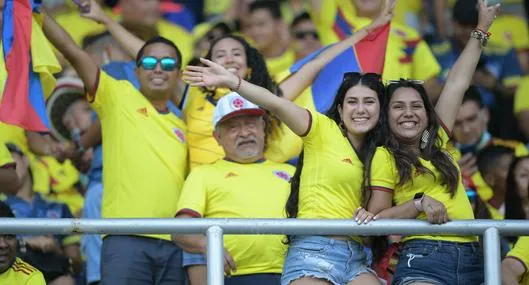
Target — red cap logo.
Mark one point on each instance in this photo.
(237, 103)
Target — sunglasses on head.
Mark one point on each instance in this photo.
(300, 35)
(401, 81)
(358, 76)
(150, 62)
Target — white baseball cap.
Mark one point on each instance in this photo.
(233, 105)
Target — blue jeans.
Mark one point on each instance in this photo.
(337, 261)
(439, 262)
(91, 244)
(136, 260)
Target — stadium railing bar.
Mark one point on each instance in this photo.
(215, 229)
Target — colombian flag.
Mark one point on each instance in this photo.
(29, 66)
(366, 56)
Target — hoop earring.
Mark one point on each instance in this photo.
(424, 139)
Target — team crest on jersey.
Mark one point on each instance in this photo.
(282, 174)
(237, 103)
(180, 135)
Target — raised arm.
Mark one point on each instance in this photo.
(295, 117)
(128, 41)
(461, 74)
(294, 85)
(80, 60)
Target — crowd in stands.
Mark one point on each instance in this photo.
(223, 109)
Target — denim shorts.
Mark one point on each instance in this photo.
(189, 259)
(337, 261)
(439, 262)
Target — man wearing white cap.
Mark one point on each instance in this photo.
(242, 185)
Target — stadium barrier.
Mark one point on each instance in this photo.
(215, 229)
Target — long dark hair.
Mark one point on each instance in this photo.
(432, 151)
(513, 201)
(350, 79)
(259, 76)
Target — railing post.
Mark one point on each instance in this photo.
(492, 254)
(215, 258)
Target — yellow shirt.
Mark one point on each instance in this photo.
(21, 273)
(332, 174)
(231, 190)
(521, 98)
(78, 27)
(407, 55)
(521, 252)
(385, 177)
(204, 149)
(6, 160)
(512, 30)
(281, 63)
(144, 153)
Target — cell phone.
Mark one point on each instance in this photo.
(83, 9)
(492, 2)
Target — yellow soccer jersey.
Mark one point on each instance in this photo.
(6, 160)
(227, 189)
(521, 253)
(512, 30)
(521, 99)
(283, 62)
(144, 153)
(385, 177)
(332, 174)
(407, 55)
(21, 273)
(204, 149)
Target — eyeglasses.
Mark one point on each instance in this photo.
(301, 35)
(357, 76)
(150, 62)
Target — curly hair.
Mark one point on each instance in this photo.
(259, 76)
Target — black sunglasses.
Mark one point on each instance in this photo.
(358, 76)
(301, 35)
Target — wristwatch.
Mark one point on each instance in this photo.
(417, 201)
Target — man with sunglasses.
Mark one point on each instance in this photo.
(305, 38)
(144, 154)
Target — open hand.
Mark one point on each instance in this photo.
(210, 75)
(486, 15)
(385, 15)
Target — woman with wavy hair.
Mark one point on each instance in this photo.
(416, 171)
(328, 182)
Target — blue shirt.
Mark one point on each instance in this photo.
(501, 61)
(38, 208)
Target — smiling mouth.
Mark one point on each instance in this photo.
(243, 143)
(359, 120)
(408, 124)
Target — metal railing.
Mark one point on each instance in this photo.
(215, 229)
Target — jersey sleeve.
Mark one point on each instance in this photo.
(425, 65)
(36, 279)
(194, 194)
(520, 251)
(383, 174)
(109, 94)
(6, 160)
